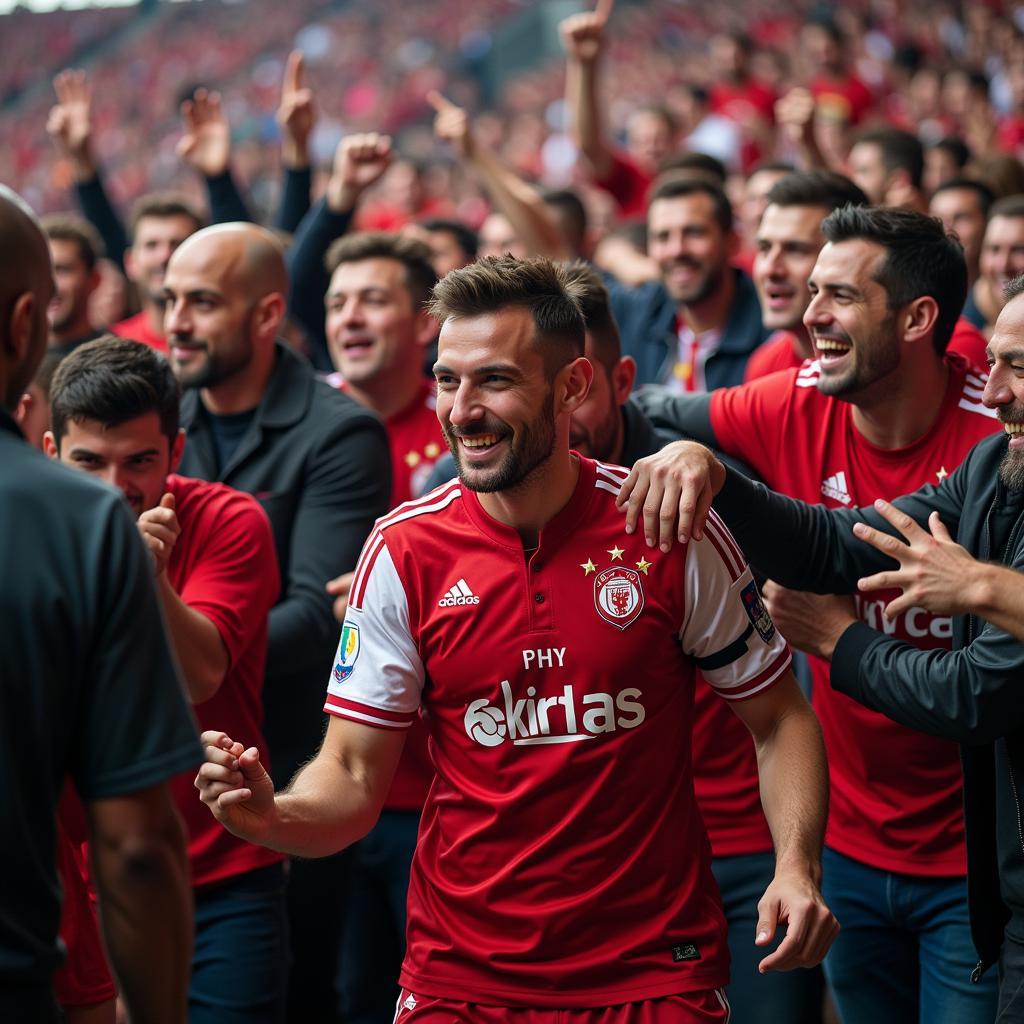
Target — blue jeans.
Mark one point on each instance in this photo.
(240, 964)
(373, 935)
(905, 952)
(790, 996)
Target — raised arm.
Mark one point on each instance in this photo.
(296, 117)
(530, 217)
(206, 147)
(583, 39)
(70, 126)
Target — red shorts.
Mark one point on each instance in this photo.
(708, 1007)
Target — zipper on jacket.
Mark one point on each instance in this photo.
(979, 970)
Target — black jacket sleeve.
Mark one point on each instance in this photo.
(97, 209)
(226, 202)
(971, 695)
(685, 415)
(347, 486)
(810, 547)
(309, 278)
(294, 199)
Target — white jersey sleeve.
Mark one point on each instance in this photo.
(727, 629)
(378, 676)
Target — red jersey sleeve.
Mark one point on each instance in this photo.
(970, 343)
(746, 419)
(627, 183)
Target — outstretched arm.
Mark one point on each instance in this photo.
(296, 117)
(332, 802)
(533, 222)
(583, 39)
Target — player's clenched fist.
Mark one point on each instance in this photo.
(234, 785)
(359, 161)
(160, 530)
(583, 34)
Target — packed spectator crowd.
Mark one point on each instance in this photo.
(300, 290)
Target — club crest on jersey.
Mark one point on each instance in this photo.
(618, 595)
(756, 612)
(348, 651)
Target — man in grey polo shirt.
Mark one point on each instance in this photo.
(88, 688)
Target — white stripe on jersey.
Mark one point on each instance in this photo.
(725, 544)
(723, 1001)
(370, 551)
(617, 473)
(438, 499)
(387, 723)
(966, 403)
(601, 485)
(739, 694)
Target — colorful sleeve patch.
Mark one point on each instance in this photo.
(756, 612)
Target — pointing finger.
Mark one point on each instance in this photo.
(293, 71)
(440, 103)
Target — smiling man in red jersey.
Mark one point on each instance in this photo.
(562, 870)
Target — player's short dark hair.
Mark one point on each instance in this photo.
(1008, 206)
(413, 254)
(495, 283)
(69, 227)
(465, 237)
(985, 195)
(900, 150)
(585, 285)
(160, 205)
(921, 258)
(678, 188)
(113, 380)
(776, 166)
(826, 189)
(694, 165)
(956, 148)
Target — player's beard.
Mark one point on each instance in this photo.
(527, 451)
(1011, 469)
(872, 360)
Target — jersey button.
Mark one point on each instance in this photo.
(539, 598)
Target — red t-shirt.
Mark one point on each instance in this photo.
(777, 353)
(845, 99)
(896, 793)
(84, 978)
(628, 184)
(224, 566)
(742, 102)
(136, 328)
(561, 859)
(970, 343)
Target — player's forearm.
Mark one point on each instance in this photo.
(146, 915)
(197, 643)
(794, 790)
(326, 807)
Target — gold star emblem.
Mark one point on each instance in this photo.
(432, 450)
(942, 474)
(588, 567)
(412, 459)
(643, 565)
(616, 554)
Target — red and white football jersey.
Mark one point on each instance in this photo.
(561, 858)
(896, 793)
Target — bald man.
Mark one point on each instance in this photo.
(88, 688)
(257, 418)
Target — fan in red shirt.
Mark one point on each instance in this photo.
(378, 333)
(651, 133)
(561, 860)
(115, 415)
(881, 410)
(840, 95)
(160, 223)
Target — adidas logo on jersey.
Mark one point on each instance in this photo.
(458, 596)
(834, 487)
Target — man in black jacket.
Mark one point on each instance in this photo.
(970, 694)
(257, 419)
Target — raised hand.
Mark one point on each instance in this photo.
(69, 123)
(451, 124)
(810, 622)
(206, 144)
(160, 530)
(296, 114)
(359, 161)
(794, 113)
(583, 35)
